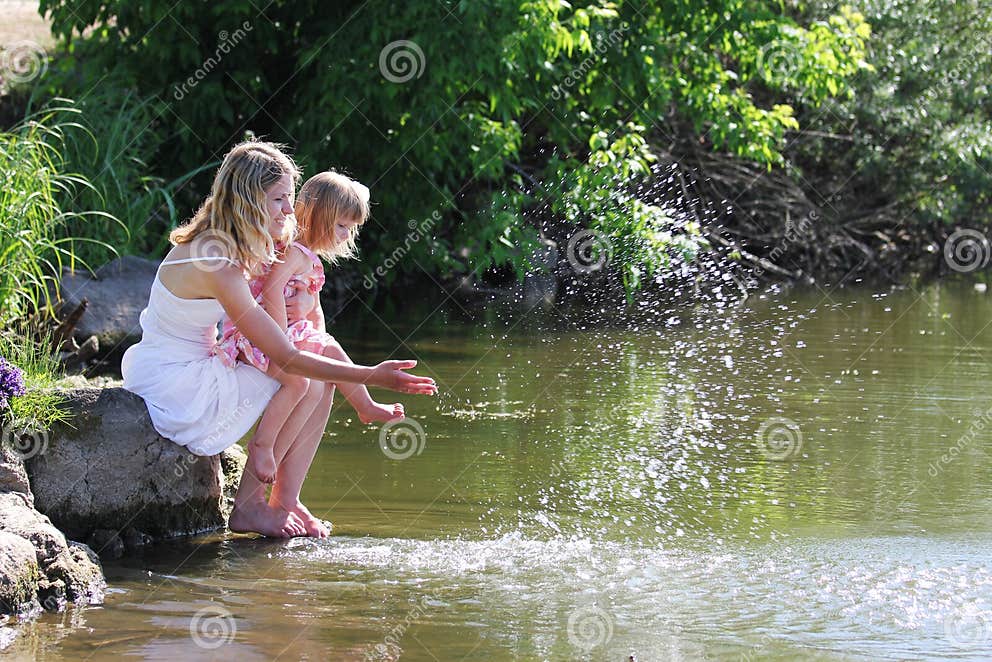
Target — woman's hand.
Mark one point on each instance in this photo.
(300, 304)
(390, 375)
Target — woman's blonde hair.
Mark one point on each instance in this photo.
(324, 199)
(235, 213)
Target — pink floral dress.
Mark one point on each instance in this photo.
(234, 346)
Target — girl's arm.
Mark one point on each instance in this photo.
(273, 297)
(228, 286)
(316, 315)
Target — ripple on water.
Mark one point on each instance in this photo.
(886, 597)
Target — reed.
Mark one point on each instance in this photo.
(34, 245)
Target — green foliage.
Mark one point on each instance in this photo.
(517, 119)
(915, 140)
(34, 245)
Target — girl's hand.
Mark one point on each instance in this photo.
(299, 305)
(390, 375)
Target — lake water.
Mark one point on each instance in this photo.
(804, 477)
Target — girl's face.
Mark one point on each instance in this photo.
(279, 205)
(343, 229)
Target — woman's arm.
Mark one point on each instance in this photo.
(228, 286)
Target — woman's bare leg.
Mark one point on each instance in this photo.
(251, 513)
(295, 463)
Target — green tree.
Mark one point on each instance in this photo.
(514, 120)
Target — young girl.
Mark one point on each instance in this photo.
(328, 212)
(195, 399)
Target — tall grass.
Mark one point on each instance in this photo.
(34, 244)
(122, 132)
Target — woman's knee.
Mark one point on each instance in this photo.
(298, 386)
(315, 390)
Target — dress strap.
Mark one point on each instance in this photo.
(306, 251)
(199, 259)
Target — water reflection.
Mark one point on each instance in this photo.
(807, 477)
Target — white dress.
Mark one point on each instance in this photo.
(192, 397)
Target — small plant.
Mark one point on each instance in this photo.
(11, 382)
(29, 371)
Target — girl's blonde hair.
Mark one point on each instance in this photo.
(235, 212)
(324, 199)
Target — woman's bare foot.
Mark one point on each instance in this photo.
(259, 517)
(373, 412)
(315, 527)
(261, 462)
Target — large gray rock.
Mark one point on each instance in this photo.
(19, 574)
(13, 477)
(111, 470)
(38, 566)
(117, 293)
(64, 571)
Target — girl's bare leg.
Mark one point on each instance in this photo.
(261, 457)
(295, 463)
(369, 411)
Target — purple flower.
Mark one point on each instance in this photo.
(11, 382)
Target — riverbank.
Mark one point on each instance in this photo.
(104, 477)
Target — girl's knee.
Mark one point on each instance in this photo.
(332, 350)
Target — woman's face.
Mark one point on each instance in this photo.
(279, 204)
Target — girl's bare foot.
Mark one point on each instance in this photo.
(315, 527)
(259, 517)
(261, 462)
(373, 412)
